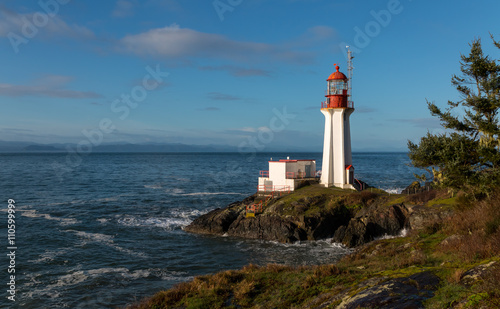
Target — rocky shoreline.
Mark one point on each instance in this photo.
(312, 213)
(445, 260)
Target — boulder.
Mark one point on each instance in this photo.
(217, 221)
(399, 293)
(478, 273)
(267, 227)
(372, 222)
(424, 216)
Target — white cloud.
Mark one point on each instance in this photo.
(176, 42)
(52, 26)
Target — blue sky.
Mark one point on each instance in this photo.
(229, 71)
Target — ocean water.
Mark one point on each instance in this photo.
(109, 232)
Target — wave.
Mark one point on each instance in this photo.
(102, 220)
(189, 214)
(153, 186)
(49, 256)
(177, 218)
(166, 223)
(393, 190)
(78, 276)
(174, 191)
(210, 193)
(310, 252)
(32, 213)
(105, 240)
(108, 199)
(402, 233)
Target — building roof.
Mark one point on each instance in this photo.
(337, 75)
(288, 161)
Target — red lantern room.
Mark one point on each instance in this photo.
(337, 90)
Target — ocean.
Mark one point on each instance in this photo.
(108, 231)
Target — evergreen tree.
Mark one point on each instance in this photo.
(468, 157)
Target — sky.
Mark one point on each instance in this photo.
(245, 73)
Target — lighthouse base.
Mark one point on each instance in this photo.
(339, 185)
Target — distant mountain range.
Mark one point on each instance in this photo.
(116, 147)
(27, 147)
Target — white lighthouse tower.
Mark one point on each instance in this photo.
(337, 167)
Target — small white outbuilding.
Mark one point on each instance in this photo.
(286, 175)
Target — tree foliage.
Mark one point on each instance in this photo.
(468, 157)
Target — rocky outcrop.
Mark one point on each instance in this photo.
(479, 273)
(372, 222)
(415, 187)
(307, 217)
(217, 221)
(280, 221)
(399, 293)
(267, 227)
(424, 216)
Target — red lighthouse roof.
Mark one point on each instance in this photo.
(337, 75)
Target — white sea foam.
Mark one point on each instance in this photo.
(32, 213)
(188, 214)
(106, 240)
(49, 256)
(78, 276)
(178, 218)
(210, 193)
(102, 220)
(402, 233)
(393, 190)
(174, 191)
(166, 223)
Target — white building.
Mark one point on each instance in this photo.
(286, 175)
(337, 169)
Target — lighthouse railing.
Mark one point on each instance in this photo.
(325, 104)
(277, 189)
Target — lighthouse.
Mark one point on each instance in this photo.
(337, 169)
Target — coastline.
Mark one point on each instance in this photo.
(402, 271)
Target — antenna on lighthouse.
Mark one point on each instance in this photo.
(349, 74)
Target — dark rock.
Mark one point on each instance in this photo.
(267, 227)
(307, 218)
(218, 221)
(274, 223)
(415, 187)
(372, 222)
(423, 216)
(400, 293)
(473, 275)
(339, 233)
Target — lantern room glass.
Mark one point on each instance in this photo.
(336, 87)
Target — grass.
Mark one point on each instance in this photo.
(276, 286)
